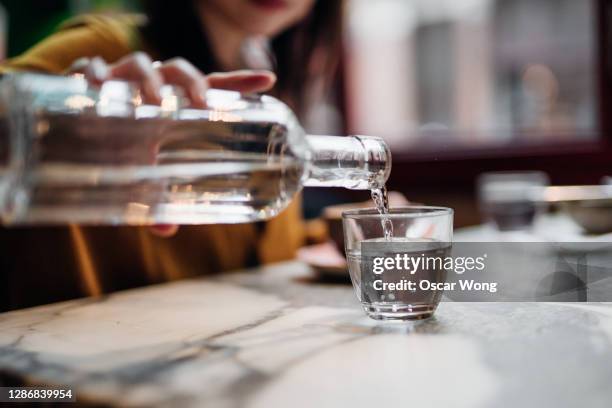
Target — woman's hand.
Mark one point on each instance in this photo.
(151, 76)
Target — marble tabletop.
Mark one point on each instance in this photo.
(277, 337)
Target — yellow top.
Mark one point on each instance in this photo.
(48, 264)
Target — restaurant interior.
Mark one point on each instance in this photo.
(497, 115)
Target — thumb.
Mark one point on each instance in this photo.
(246, 81)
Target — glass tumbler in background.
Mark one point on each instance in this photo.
(418, 232)
(511, 201)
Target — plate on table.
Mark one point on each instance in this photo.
(325, 259)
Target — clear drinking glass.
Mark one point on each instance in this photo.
(74, 152)
(418, 232)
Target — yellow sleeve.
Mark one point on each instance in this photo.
(110, 37)
(283, 235)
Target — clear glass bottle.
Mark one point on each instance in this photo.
(70, 152)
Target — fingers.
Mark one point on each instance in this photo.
(150, 77)
(95, 69)
(246, 81)
(138, 68)
(180, 72)
(164, 230)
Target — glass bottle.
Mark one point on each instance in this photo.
(71, 152)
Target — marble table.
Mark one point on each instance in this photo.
(275, 337)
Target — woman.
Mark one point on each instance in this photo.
(298, 39)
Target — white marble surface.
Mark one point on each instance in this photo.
(276, 338)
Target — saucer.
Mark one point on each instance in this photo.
(325, 259)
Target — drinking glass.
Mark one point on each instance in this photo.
(511, 201)
(418, 232)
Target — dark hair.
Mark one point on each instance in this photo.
(308, 50)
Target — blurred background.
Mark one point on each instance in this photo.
(457, 88)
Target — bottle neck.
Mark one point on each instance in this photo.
(354, 162)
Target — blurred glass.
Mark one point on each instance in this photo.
(472, 72)
(511, 201)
